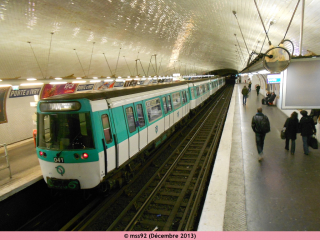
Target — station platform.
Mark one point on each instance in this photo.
(278, 194)
(24, 165)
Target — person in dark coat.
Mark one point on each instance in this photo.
(258, 89)
(249, 85)
(307, 128)
(292, 128)
(261, 126)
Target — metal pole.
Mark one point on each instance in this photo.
(301, 27)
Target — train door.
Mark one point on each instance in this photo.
(166, 113)
(132, 129)
(109, 152)
(142, 127)
(169, 106)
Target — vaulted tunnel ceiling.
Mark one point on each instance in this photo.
(82, 37)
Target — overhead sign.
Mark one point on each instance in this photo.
(24, 92)
(274, 78)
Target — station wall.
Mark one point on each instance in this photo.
(20, 124)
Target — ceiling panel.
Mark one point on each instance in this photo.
(79, 37)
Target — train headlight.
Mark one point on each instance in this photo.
(85, 155)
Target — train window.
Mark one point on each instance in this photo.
(208, 87)
(169, 103)
(62, 131)
(176, 100)
(192, 93)
(130, 118)
(154, 110)
(140, 115)
(183, 97)
(198, 91)
(106, 128)
(164, 100)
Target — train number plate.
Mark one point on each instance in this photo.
(63, 184)
(58, 160)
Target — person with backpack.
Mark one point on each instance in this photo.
(292, 128)
(261, 126)
(245, 93)
(307, 128)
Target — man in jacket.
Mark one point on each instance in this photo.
(261, 126)
(307, 129)
(245, 93)
(258, 89)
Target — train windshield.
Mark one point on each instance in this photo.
(61, 131)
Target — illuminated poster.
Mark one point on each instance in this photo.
(3, 97)
(103, 85)
(50, 90)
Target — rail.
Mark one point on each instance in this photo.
(7, 159)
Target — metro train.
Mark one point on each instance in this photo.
(89, 140)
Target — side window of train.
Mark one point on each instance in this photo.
(176, 100)
(184, 100)
(130, 118)
(208, 87)
(185, 96)
(169, 103)
(198, 91)
(164, 100)
(154, 110)
(192, 92)
(140, 115)
(106, 128)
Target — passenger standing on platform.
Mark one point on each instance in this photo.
(249, 86)
(245, 93)
(258, 89)
(292, 128)
(261, 126)
(307, 129)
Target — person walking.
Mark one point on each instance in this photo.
(307, 128)
(258, 89)
(261, 126)
(245, 93)
(249, 86)
(292, 128)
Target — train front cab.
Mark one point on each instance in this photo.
(66, 144)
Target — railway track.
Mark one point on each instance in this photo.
(171, 199)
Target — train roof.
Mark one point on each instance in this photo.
(118, 92)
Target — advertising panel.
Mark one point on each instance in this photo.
(3, 97)
(50, 90)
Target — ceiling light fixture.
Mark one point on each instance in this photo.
(79, 81)
(55, 83)
(31, 84)
(31, 79)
